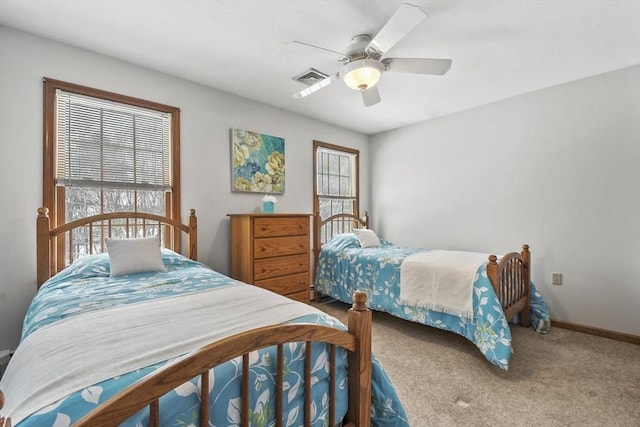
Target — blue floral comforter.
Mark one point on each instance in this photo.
(86, 286)
(344, 267)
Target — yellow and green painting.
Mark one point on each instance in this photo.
(258, 162)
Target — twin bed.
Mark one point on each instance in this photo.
(177, 343)
(502, 288)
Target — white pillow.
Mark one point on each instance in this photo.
(128, 256)
(367, 238)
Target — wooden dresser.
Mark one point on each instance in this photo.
(273, 251)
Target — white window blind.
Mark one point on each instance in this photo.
(104, 144)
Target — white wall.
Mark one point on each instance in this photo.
(206, 117)
(558, 169)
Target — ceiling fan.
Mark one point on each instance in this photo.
(363, 61)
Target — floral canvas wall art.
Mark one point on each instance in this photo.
(258, 162)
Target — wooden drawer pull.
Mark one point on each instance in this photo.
(263, 248)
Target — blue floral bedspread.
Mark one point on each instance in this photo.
(86, 286)
(344, 267)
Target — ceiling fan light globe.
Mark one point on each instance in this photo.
(363, 74)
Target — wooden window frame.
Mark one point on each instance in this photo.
(53, 195)
(353, 151)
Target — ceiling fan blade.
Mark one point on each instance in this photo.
(315, 87)
(417, 65)
(405, 19)
(371, 96)
(339, 55)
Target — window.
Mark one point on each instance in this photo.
(105, 152)
(336, 186)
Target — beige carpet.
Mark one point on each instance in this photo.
(564, 378)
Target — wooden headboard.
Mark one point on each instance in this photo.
(55, 247)
(325, 229)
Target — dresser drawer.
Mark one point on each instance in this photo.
(285, 285)
(283, 226)
(278, 246)
(267, 268)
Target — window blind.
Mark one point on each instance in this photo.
(106, 144)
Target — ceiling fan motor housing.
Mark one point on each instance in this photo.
(358, 47)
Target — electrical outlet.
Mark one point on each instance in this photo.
(556, 278)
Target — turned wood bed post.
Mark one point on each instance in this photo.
(524, 315)
(359, 324)
(192, 236)
(43, 247)
(317, 242)
(317, 226)
(492, 273)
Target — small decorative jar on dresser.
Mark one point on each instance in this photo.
(272, 251)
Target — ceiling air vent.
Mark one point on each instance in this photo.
(311, 76)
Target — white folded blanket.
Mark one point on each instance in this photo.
(441, 280)
(82, 350)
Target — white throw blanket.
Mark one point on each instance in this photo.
(82, 350)
(441, 280)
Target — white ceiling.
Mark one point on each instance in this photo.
(499, 48)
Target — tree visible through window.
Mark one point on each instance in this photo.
(336, 179)
(106, 153)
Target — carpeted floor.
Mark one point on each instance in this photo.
(564, 378)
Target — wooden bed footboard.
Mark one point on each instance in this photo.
(58, 247)
(511, 280)
(357, 340)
